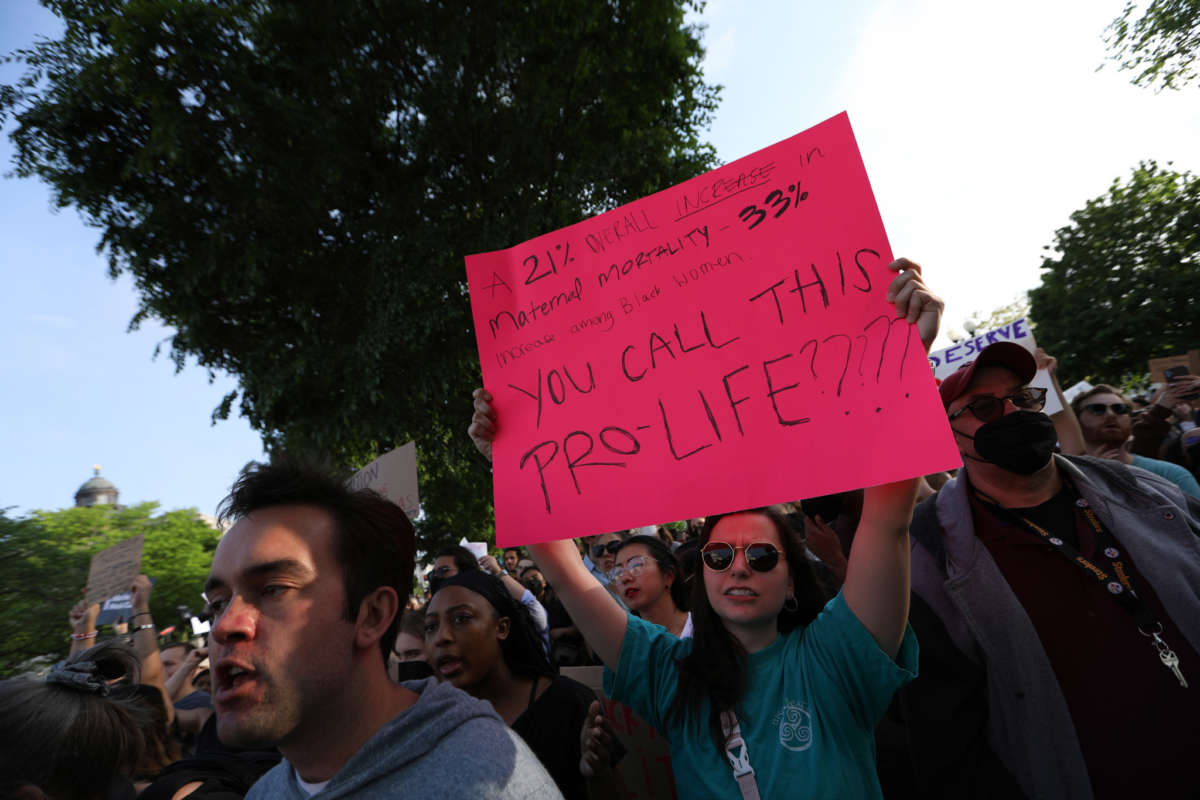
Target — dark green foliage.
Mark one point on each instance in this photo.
(293, 187)
(44, 561)
(1160, 45)
(1124, 286)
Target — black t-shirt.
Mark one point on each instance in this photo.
(551, 727)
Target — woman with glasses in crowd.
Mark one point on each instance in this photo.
(648, 579)
(752, 706)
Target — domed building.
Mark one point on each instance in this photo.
(97, 491)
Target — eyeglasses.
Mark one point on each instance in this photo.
(760, 556)
(612, 547)
(633, 566)
(987, 408)
(440, 572)
(1120, 409)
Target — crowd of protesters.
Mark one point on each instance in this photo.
(1023, 627)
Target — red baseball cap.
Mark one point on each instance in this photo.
(1009, 355)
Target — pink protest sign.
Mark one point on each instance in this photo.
(722, 344)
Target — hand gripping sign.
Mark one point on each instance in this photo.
(722, 344)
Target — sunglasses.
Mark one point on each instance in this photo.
(633, 566)
(612, 547)
(987, 408)
(1120, 409)
(760, 556)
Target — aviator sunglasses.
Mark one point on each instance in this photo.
(987, 408)
(612, 547)
(760, 556)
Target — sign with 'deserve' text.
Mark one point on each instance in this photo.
(722, 344)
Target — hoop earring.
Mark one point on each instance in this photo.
(795, 604)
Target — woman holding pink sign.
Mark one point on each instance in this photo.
(774, 695)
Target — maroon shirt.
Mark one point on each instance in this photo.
(1137, 727)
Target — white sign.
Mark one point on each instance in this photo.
(393, 475)
(478, 549)
(946, 361)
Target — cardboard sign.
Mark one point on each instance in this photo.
(950, 359)
(1157, 365)
(723, 344)
(646, 768)
(393, 475)
(113, 569)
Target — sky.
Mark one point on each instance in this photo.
(982, 126)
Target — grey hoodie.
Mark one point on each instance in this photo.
(448, 745)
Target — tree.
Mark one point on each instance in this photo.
(293, 187)
(1160, 45)
(44, 561)
(999, 317)
(1123, 285)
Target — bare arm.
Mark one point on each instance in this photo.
(145, 641)
(178, 684)
(877, 577)
(593, 609)
(83, 625)
(1066, 424)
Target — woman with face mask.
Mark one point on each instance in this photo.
(483, 641)
(646, 576)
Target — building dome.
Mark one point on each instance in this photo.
(97, 491)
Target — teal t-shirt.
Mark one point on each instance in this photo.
(1172, 472)
(812, 701)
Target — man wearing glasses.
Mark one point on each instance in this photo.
(1054, 599)
(1106, 418)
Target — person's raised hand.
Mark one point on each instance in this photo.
(1179, 390)
(83, 616)
(483, 422)
(914, 301)
(139, 594)
(1045, 361)
(490, 565)
(595, 742)
(194, 657)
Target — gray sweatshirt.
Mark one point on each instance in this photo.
(448, 745)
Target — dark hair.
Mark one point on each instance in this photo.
(67, 739)
(187, 647)
(522, 649)
(374, 539)
(667, 565)
(715, 669)
(160, 747)
(519, 551)
(412, 622)
(1099, 388)
(464, 559)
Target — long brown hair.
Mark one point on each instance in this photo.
(715, 669)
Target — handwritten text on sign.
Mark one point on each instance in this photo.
(722, 344)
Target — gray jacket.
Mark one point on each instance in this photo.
(449, 745)
(1030, 726)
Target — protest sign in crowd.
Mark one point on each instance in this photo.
(894, 573)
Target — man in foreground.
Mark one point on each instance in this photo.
(1055, 602)
(305, 592)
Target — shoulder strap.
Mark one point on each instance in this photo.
(739, 756)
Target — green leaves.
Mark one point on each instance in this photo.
(44, 561)
(293, 188)
(1123, 287)
(1160, 46)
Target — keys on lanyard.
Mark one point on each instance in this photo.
(1168, 657)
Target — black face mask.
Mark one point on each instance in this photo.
(533, 585)
(1020, 442)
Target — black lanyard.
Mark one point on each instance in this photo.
(1110, 572)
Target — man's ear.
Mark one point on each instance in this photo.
(503, 627)
(375, 615)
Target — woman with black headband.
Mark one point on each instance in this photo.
(483, 641)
